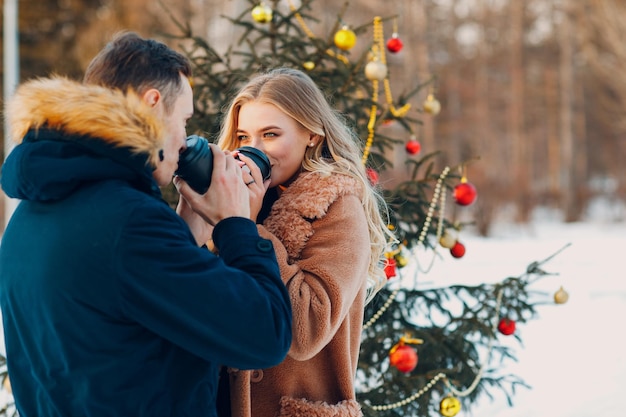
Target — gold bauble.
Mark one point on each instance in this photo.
(262, 13)
(432, 105)
(561, 296)
(345, 39)
(375, 70)
(449, 406)
(401, 260)
(309, 65)
(448, 239)
(7, 385)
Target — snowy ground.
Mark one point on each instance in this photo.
(572, 354)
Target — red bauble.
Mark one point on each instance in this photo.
(506, 326)
(390, 268)
(458, 250)
(372, 175)
(413, 147)
(394, 44)
(464, 194)
(404, 358)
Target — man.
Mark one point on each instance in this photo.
(110, 305)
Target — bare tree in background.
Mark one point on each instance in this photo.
(566, 81)
(601, 30)
(544, 114)
(516, 135)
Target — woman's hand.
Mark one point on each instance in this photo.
(200, 229)
(257, 188)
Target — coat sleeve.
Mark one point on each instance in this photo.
(233, 309)
(329, 276)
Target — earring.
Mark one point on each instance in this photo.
(311, 144)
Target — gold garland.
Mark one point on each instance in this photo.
(309, 33)
(371, 123)
(379, 43)
(379, 49)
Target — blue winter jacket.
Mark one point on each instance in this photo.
(109, 307)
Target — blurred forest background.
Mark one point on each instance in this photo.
(532, 92)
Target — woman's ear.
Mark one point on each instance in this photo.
(152, 97)
(313, 139)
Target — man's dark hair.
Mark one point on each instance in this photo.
(130, 62)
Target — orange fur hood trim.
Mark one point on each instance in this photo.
(306, 199)
(74, 108)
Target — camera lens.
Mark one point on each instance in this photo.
(195, 164)
(259, 158)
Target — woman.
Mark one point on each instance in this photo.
(324, 219)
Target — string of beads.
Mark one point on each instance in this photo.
(413, 397)
(437, 195)
(442, 375)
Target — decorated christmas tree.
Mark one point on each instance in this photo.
(424, 351)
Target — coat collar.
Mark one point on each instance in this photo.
(307, 199)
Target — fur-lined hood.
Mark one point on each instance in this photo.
(74, 108)
(306, 199)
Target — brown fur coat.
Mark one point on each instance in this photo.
(319, 229)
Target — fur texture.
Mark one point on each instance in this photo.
(305, 201)
(76, 108)
(290, 407)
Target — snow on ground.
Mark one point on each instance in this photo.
(572, 354)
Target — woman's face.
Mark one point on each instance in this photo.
(284, 141)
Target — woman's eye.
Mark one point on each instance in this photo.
(270, 134)
(241, 137)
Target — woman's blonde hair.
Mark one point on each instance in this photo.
(338, 150)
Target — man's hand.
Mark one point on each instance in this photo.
(227, 196)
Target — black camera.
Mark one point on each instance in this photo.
(195, 164)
